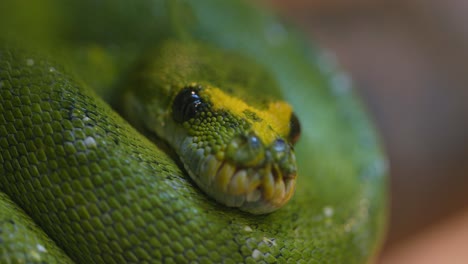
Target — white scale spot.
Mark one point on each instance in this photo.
(41, 248)
(248, 229)
(328, 211)
(90, 142)
(256, 253)
(30, 62)
(52, 69)
(86, 119)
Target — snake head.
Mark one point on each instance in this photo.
(220, 112)
(240, 155)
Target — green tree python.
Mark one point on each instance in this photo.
(228, 113)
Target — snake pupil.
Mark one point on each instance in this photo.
(295, 129)
(186, 104)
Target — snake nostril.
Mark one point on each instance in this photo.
(279, 145)
(279, 149)
(253, 142)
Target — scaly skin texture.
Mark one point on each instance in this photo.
(104, 193)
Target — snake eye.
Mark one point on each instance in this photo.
(187, 104)
(294, 129)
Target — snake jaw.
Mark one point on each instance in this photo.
(257, 188)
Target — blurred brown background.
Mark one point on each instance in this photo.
(409, 60)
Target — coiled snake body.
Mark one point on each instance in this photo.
(202, 83)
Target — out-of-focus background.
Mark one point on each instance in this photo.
(409, 61)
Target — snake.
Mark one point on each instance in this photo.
(174, 131)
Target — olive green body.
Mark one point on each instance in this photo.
(93, 189)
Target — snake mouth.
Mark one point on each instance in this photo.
(257, 190)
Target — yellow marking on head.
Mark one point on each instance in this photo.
(269, 124)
